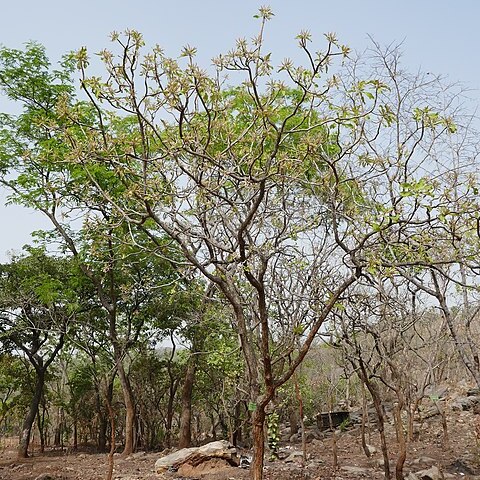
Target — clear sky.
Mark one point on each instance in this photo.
(438, 36)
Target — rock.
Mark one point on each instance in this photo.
(430, 412)
(424, 460)
(294, 456)
(437, 392)
(461, 404)
(372, 449)
(432, 473)
(357, 470)
(311, 435)
(295, 438)
(48, 476)
(411, 476)
(460, 467)
(174, 459)
(208, 467)
(197, 455)
(473, 392)
(465, 403)
(137, 455)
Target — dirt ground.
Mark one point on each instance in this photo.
(459, 457)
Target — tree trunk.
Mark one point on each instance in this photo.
(185, 434)
(377, 402)
(24, 440)
(75, 435)
(170, 412)
(258, 443)
(103, 415)
(129, 407)
(293, 419)
(364, 422)
(237, 423)
(402, 444)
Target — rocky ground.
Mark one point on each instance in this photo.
(430, 457)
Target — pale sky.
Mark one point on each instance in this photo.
(437, 36)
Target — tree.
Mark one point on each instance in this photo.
(125, 279)
(282, 191)
(38, 306)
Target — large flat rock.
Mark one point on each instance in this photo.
(197, 455)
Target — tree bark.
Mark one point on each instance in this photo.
(26, 432)
(377, 402)
(185, 434)
(258, 442)
(128, 398)
(402, 444)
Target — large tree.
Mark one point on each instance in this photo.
(282, 191)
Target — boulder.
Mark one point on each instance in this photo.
(208, 467)
(196, 455)
(432, 473)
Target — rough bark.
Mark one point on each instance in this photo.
(26, 432)
(258, 443)
(185, 434)
(128, 398)
(402, 444)
(377, 402)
